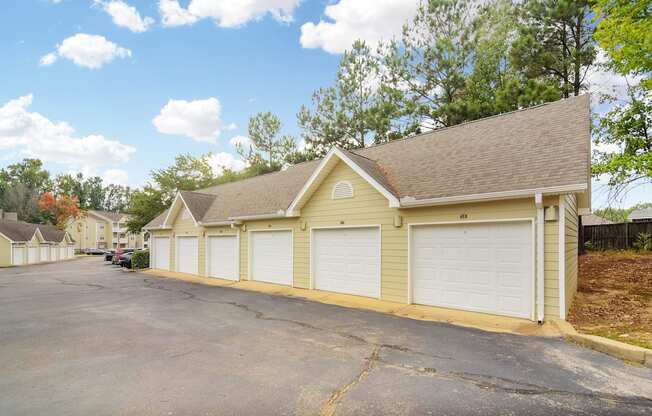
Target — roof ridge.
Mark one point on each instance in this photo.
(477, 120)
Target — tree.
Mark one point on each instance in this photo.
(146, 204)
(627, 131)
(62, 208)
(117, 198)
(187, 174)
(89, 191)
(555, 41)
(268, 151)
(619, 215)
(21, 184)
(428, 65)
(353, 112)
(623, 31)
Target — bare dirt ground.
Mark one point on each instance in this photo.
(614, 297)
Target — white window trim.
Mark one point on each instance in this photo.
(498, 220)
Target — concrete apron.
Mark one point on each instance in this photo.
(486, 322)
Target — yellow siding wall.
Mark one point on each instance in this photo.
(5, 252)
(369, 207)
(571, 241)
(90, 240)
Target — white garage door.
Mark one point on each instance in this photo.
(32, 255)
(71, 252)
(347, 260)
(62, 253)
(161, 253)
(19, 256)
(483, 267)
(271, 257)
(223, 257)
(187, 255)
(45, 250)
(54, 251)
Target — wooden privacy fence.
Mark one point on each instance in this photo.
(613, 236)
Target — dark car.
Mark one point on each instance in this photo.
(108, 255)
(125, 260)
(119, 253)
(94, 252)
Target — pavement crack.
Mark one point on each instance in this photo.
(338, 394)
(505, 385)
(93, 285)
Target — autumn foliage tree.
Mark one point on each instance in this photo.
(61, 209)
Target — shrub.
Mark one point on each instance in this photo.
(643, 242)
(140, 260)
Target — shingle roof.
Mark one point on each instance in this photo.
(197, 203)
(113, 216)
(19, 231)
(541, 147)
(593, 219)
(640, 214)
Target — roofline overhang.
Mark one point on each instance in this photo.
(178, 195)
(156, 228)
(279, 214)
(217, 223)
(408, 202)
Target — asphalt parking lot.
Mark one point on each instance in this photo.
(84, 338)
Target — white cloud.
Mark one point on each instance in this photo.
(603, 81)
(231, 126)
(244, 141)
(199, 120)
(33, 135)
(115, 177)
(125, 15)
(225, 13)
(90, 51)
(221, 161)
(48, 59)
(348, 20)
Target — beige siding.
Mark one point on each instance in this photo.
(186, 227)
(369, 207)
(570, 240)
(5, 252)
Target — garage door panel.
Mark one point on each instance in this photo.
(223, 257)
(347, 260)
(271, 256)
(477, 267)
(161, 253)
(188, 255)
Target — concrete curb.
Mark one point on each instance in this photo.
(616, 349)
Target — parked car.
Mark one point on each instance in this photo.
(94, 252)
(119, 253)
(125, 260)
(108, 255)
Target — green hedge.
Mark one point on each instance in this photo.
(140, 260)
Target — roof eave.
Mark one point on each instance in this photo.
(493, 196)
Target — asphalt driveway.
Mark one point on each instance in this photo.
(82, 338)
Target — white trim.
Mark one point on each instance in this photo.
(167, 217)
(176, 252)
(531, 220)
(408, 202)
(279, 214)
(216, 224)
(393, 200)
(562, 257)
(380, 250)
(540, 259)
(207, 252)
(291, 230)
(8, 239)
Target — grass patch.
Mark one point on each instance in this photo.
(616, 336)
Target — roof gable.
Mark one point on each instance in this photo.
(369, 170)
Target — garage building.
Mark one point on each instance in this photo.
(480, 217)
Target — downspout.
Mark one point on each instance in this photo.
(562, 257)
(538, 201)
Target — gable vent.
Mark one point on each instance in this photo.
(343, 189)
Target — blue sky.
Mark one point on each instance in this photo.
(98, 76)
